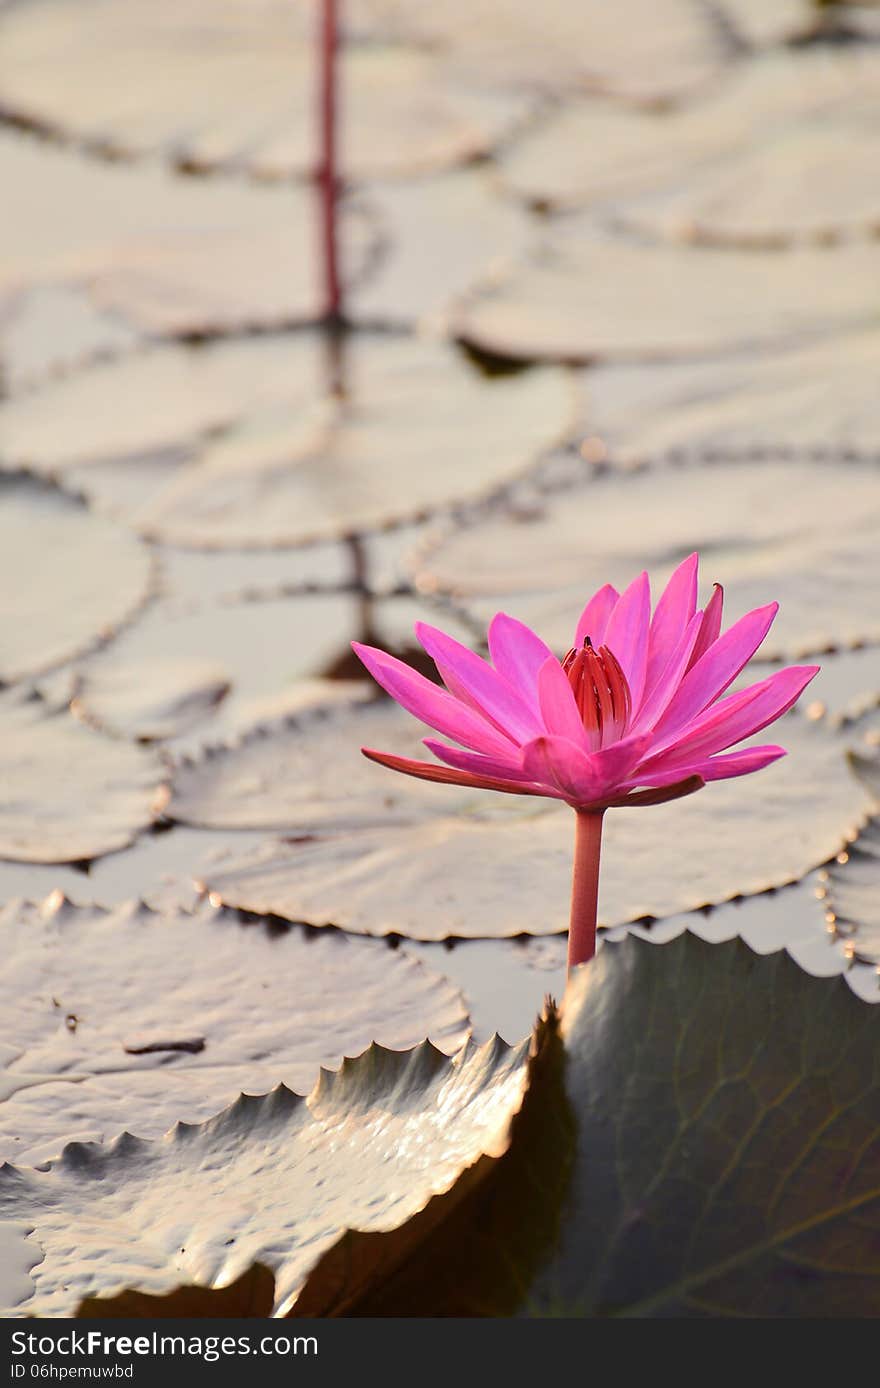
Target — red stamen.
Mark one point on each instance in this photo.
(600, 690)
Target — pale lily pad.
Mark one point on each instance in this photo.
(847, 687)
(207, 576)
(850, 891)
(440, 236)
(236, 445)
(818, 399)
(805, 535)
(129, 1020)
(777, 150)
(588, 296)
(237, 90)
(217, 670)
(156, 252)
(68, 793)
(51, 328)
(375, 857)
(363, 1154)
(642, 50)
(68, 579)
(756, 22)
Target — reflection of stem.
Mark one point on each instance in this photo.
(584, 888)
(328, 181)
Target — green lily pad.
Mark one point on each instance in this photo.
(588, 296)
(375, 853)
(68, 579)
(801, 533)
(126, 1019)
(726, 1154)
(302, 1186)
(237, 444)
(70, 794)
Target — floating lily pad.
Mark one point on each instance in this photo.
(847, 687)
(126, 1019)
(639, 49)
(778, 150)
(191, 577)
(803, 534)
(365, 1152)
(68, 579)
(237, 90)
(376, 853)
(588, 296)
(156, 252)
(723, 1113)
(49, 329)
(756, 22)
(236, 445)
(851, 892)
(217, 670)
(817, 399)
(440, 237)
(70, 794)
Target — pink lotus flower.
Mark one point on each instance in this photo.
(632, 715)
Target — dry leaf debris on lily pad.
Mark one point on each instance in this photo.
(794, 126)
(240, 103)
(68, 578)
(806, 534)
(152, 252)
(216, 670)
(377, 855)
(277, 1180)
(721, 1157)
(586, 295)
(818, 399)
(128, 1020)
(70, 794)
(238, 444)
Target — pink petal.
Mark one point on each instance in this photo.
(673, 613)
(562, 765)
(517, 654)
(711, 623)
(718, 668)
(476, 765)
(613, 764)
(594, 618)
(668, 681)
(715, 768)
(660, 795)
(475, 682)
(557, 703)
(739, 715)
(626, 635)
(431, 704)
(429, 771)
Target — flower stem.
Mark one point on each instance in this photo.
(328, 181)
(584, 887)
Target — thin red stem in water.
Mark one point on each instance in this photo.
(584, 887)
(328, 181)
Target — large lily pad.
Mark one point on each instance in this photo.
(277, 1180)
(726, 1159)
(155, 252)
(780, 150)
(817, 399)
(70, 794)
(68, 579)
(440, 236)
(237, 89)
(219, 669)
(52, 328)
(798, 532)
(238, 445)
(126, 1019)
(376, 853)
(642, 50)
(851, 891)
(589, 296)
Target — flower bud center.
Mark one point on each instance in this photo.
(600, 691)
